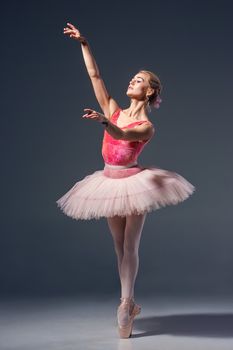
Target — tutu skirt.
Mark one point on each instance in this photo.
(124, 191)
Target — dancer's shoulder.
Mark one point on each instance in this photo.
(111, 108)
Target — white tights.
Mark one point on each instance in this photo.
(126, 233)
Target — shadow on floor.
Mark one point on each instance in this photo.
(201, 325)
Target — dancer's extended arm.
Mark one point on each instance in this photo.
(106, 102)
(140, 132)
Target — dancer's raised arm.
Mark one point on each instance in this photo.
(106, 102)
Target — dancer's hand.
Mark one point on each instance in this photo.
(91, 114)
(73, 32)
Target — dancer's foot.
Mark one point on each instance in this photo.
(126, 312)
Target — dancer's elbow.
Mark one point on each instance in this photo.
(93, 74)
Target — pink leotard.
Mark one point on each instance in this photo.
(121, 152)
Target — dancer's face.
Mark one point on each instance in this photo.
(139, 86)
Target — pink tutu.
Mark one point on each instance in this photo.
(114, 191)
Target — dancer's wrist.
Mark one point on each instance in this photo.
(83, 40)
(105, 122)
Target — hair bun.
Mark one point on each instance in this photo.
(157, 102)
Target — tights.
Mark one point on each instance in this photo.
(126, 233)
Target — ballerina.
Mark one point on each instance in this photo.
(123, 191)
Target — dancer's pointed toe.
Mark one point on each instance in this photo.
(126, 312)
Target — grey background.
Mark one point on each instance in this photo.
(46, 147)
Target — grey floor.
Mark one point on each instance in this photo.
(90, 323)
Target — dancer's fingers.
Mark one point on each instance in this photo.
(89, 110)
(69, 31)
(87, 115)
(90, 116)
(71, 25)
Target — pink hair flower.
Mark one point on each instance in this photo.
(157, 102)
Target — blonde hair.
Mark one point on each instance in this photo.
(155, 84)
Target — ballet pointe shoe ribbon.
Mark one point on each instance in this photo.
(126, 312)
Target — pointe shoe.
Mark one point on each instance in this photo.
(129, 307)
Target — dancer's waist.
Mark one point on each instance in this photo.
(120, 171)
(130, 165)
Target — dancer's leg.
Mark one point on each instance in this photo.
(130, 264)
(117, 228)
(130, 261)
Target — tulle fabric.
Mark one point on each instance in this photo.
(135, 190)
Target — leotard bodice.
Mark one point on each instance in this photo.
(121, 152)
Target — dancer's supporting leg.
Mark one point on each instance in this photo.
(117, 228)
(126, 233)
(130, 261)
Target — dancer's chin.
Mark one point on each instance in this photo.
(129, 94)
